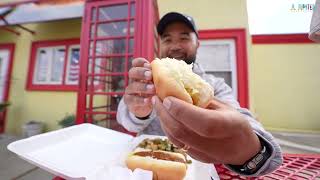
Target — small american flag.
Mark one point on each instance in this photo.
(74, 65)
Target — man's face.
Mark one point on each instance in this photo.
(180, 42)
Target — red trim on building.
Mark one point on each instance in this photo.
(50, 43)
(11, 48)
(150, 31)
(137, 35)
(280, 39)
(84, 55)
(239, 35)
(156, 19)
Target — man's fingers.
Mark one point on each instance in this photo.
(140, 106)
(140, 88)
(194, 153)
(206, 123)
(178, 130)
(139, 62)
(140, 73)
(199, 156)
(216, 104)
(174, 127)
(175, 141)
(136, 100)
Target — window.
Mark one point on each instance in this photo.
(54, 65)
(49, 65)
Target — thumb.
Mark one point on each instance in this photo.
(217, 104)
(177, 107)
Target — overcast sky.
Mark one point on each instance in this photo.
(277, 16)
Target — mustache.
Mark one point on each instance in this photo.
(177, 53)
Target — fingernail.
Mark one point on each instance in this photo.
(167, 103)
(145, 100)
(146, 65)
(150, 86)
(153, 100)
(147, 74)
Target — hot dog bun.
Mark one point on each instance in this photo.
(162, 169)
(175, 78)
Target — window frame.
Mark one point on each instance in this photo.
(281, 39)
(36, 46)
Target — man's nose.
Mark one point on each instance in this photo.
(175, 46)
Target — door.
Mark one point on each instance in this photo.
(6, 57)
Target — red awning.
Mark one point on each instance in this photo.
(41, 12)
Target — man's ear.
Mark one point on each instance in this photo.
(195, 39)
(198, 43)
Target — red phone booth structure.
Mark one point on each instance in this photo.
(113, 33)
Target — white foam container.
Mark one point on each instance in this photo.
(85, 151)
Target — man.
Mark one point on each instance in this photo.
(223, 133)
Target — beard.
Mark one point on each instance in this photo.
(189, 59)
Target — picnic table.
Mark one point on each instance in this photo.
(294, 167)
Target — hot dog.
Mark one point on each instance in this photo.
(166, 161)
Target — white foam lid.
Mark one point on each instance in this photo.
(74, 152)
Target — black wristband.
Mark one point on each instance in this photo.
(256, 162)
(143, 118)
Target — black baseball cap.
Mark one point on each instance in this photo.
(176, 17)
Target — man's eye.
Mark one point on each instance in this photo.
(184, 38)
(167, 40)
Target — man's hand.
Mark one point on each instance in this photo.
(219, 134)
(140, 89)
